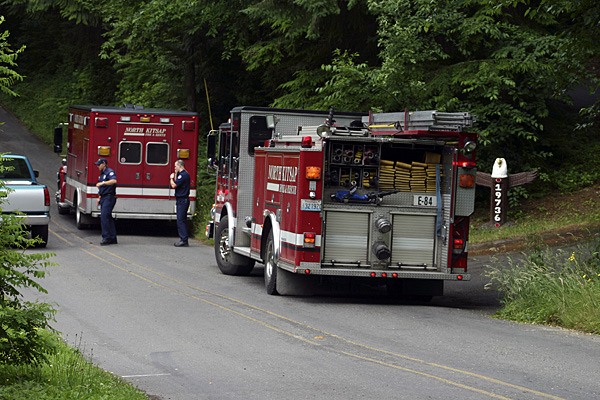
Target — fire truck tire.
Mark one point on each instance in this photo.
(40, 231)
(229, 262)
(270, 266)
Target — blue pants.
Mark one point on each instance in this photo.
(182, 205)
(107, 203)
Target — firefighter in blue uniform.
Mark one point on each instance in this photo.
(107, 198)
(180, 181)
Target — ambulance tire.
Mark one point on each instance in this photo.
(270, 266)
(229, 262)
(82, 221)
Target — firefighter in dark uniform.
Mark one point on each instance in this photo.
(180, 181)
(107, 198)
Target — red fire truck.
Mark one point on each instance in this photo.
(141, 145)
(384, 197)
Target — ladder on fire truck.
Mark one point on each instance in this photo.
(395, 123)
(431, 120)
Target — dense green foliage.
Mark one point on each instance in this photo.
(515, 64)
(524, 68)
(23, 338)
(22, 324)
(8, 58)
(552, 287)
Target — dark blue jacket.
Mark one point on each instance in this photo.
(107, 175)
(182, 181)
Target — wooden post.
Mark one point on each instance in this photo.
(500, 183)
(499, 201)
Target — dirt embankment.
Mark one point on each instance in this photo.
(585, 202)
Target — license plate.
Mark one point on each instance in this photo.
(424, 201)
(310, 205)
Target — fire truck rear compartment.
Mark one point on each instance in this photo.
(371, 217)
(351, 239)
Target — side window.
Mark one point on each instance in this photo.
(258, 133)
(130, 153)
(157, 153)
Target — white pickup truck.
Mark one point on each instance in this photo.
(22, 194)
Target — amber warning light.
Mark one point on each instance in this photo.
(313, 173)
(466, 181)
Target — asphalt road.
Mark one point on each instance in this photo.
(166, 320)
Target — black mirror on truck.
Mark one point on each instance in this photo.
(211, 149)
(58, 139)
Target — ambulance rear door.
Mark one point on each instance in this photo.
(144, 167)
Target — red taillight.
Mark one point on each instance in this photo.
(46, 197)
(466, 164)
(394, 275)
(307, 271)
(309, 239)
(458, 244)
(384, 274)
(373, 274)
(306, 141)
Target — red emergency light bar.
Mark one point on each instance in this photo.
(306, 142)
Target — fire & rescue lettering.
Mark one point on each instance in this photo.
(145, 131)
(282, 174)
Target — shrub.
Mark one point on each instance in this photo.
(23, 338)
(23, 335)
(552, 287)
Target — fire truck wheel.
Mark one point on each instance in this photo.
(270, 266)
(229, 262)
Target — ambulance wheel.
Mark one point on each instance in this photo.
(82, 221)
(229, 262)
(270, 266)
(41, 232)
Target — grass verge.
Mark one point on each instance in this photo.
(552, 286)
(65, 375)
